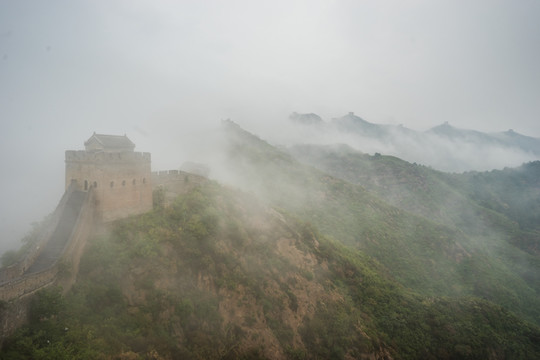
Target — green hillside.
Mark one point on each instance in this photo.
(501, 204)
(320, 253)
(497, 210)
(463, 251)
(512, 192)
(218, 275)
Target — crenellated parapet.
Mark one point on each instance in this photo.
(19, 268)
(167, 173)
(175, 182)
(163, 177)
(107, 157)
(64, 245)
(105, 182)
(120, 177)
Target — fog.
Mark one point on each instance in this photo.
(165, 73)
(444, 147)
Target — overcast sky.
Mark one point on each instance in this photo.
(158, 70)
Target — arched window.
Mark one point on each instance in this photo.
(95, 184)
(112, 184)
(85, 185)
(134, 182)
(123, 182)
(144, 180)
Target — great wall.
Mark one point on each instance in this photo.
(105, 182)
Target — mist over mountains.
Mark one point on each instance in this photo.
(407, 229)
(308, 251)
(443, 147)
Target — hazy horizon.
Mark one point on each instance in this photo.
(165, 72)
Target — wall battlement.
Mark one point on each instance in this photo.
(16, 270)
(166, 173)
(16, 286)
(108, 181)
(163, 177)
(120, 177)
(106, 157)
(175, 182)
(16, 293)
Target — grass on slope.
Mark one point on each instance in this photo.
(217, 275)
(430, 254)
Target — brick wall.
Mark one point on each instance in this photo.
(122, 181)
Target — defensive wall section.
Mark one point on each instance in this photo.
(84, 228)
(17, 270)
(15, 281)
(175, 182)
(15, 293)
(175, 178)
(42, 267)
(105, 182)
(121, 180)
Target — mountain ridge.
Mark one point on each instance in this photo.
(220, 275)
(355, 217)
(443, 147)
(303, 253)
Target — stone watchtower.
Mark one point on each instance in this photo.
(118, 176)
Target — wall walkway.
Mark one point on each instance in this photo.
(62, 242)
(73, 222)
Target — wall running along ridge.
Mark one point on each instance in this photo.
(101, 186)
(15, 293)
(122, 181)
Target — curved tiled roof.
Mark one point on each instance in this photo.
(111, 141)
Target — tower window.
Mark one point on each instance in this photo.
(134, 181)
(85, 185)
(95, 184)
(144, 180)
(112, 184)
(123, 182)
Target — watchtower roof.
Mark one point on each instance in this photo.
(109, 143)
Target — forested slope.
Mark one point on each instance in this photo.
(295, 260)
(220, 275)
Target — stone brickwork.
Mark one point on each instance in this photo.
(16, 270)
(105, 182)
(84, 226)
(17, 287)
(122, 181)
(175, 182)
(15, 293)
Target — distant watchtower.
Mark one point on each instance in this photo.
(119, 177)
